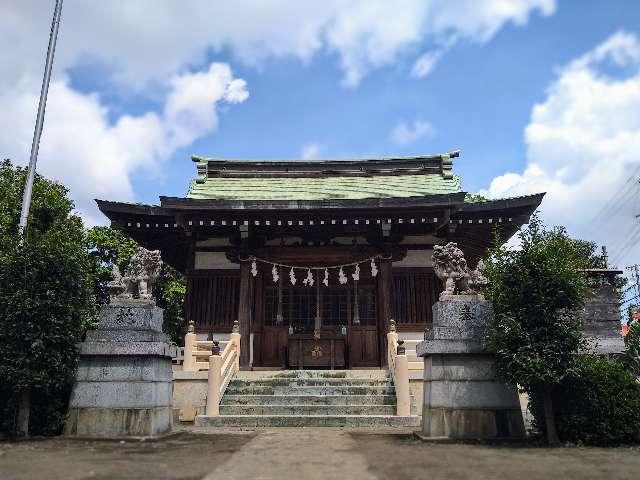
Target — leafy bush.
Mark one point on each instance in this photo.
(597, 403)
(535, 291)
(169, 293)
(107, 247)
(51, 285)
(45, 293)
(630, 358)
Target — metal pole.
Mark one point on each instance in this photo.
(28, 187)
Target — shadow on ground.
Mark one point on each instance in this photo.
(404, 457)
(180, 456)
(307, 454)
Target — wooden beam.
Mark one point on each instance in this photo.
(244, 313)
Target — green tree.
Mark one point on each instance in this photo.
(108, 246)
(536, 291)
(475, 198)
(45, 292)
(630, 358)
(169, 293)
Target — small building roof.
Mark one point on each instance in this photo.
(291, 180)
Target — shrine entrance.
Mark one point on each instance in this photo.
(301, 326)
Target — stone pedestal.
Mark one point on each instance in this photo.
(124, 380)
(462, 396)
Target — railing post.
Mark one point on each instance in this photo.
(392, 341)
(403, 405)
(214, 381)
(235, 338)
(190, 345)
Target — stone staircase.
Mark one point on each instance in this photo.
(309, 398)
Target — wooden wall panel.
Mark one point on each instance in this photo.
(414, 293)
(212, 300)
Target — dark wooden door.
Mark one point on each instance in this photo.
(338, 306)
(273, 345)
(364, 345)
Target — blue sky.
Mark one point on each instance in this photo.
(532, 91)
(478, 99)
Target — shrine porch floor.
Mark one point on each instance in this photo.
(305, 453)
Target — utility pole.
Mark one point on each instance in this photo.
(37, 133)
(24, 396)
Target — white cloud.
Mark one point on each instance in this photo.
(425, 64)
(310, 151)
(404, 134)
(95, 157)
(583, 144)
(148, 48)
(147, 40)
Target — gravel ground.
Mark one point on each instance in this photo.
(308, 454)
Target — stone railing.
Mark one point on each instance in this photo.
(195, 354)
(222, 367)
(399, 368)
(410, 348)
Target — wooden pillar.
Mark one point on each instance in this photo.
(244, 313)
(385, 299)
(385, 291)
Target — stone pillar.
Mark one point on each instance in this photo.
(124, 380)
(462, 396)
(244, 313)
(601, 319)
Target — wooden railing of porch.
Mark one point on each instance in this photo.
(222, 367)
(222, 363)
(399, 368)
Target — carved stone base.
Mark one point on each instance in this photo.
(124, 380)
(462, 397)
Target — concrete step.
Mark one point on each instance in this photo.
(228, 399)
(359, 374)
(312, 382)
(354, 421)
(304, 409)
(310, 390)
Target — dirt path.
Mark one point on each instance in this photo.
(306, 454)
(301, 453)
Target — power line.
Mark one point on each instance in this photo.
(629, 300)
(618, 246)
(630, 244)
(635, 269)
(620, 193)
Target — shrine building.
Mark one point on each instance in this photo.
(316, 259)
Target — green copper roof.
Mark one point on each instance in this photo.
(304, 188)
(398, 177)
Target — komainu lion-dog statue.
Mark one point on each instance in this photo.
(451, 267)
(139, 276)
